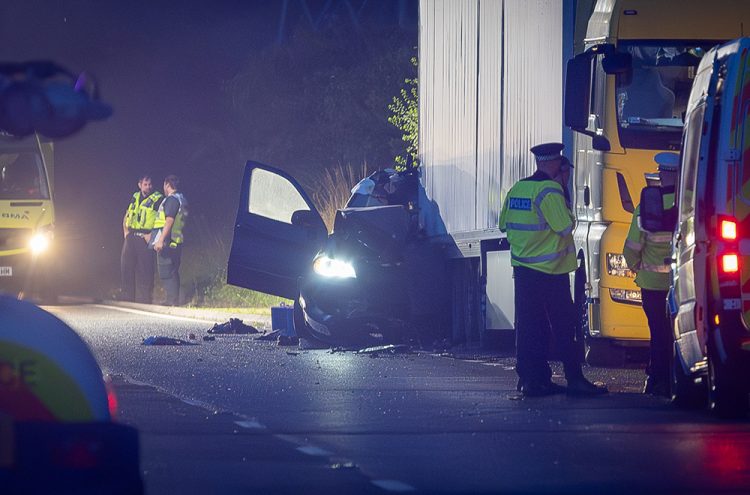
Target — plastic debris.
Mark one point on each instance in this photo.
(292, 353)
(160, 340)
(390, 349)
(270, 336)
(234, 325)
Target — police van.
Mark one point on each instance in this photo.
(710, 297)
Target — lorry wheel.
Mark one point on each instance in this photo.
(602, 353)
(727, 394)
(686, 393)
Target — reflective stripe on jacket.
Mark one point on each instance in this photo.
(539, 225)
(141, 215)
(176, 235)
(645, 252)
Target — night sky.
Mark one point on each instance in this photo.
(164, 67)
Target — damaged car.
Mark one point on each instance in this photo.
(374, 279)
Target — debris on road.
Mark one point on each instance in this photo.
(234, 326)
(270, 335)
(209, 338)
(160, 340)
(389, 349)
(292, 353)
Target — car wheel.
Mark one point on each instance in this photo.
(686, 393)
(727, 396)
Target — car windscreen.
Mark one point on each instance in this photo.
(653, 95)
(22, 175)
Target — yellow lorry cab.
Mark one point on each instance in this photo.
(627, 92)
(27, 213)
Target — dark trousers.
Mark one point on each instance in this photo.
(168, 263)
(655, 307)
(544, 310)
(137, 268)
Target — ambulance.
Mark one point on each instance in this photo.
(27, 216)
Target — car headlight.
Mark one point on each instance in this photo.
(617, 266)
(627, 296)
(332, 268)
(40, 241)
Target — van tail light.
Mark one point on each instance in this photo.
(730, 263)
(728, 229)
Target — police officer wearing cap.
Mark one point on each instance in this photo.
(137, 260)
(539, 227)
(644, 254)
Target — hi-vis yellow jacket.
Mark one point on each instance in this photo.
(539, 225)
(141, 214)
(645, 252)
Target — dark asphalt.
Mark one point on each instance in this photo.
(418, 422)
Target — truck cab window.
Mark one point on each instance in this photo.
(22, 176)
(652, 97)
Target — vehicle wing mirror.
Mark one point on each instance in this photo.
(578, 99)
(654, 218)
(578, 91)
(303, 218)
(617, 63)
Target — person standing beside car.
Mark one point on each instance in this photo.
(167, 238)
(645, 253)
(539, 227)
(136, 259)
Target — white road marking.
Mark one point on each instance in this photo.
(154, 315)
(316, 451)
(250, 425)
(393, 485)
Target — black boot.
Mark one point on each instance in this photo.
(580, 386)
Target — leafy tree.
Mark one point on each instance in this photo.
(405, 116)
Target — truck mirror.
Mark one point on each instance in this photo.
(617, 63)
(654, 218)
(599, 142)
(578, 91)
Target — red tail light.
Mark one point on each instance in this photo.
(730, 263)
(112, 404)
(728, 230)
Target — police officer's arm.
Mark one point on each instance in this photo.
(634, 243)
(503, 214)
(169, 215)
(556, 212)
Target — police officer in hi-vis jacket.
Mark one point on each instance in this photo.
(137, 259)
(539, 227)
(645, 254)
